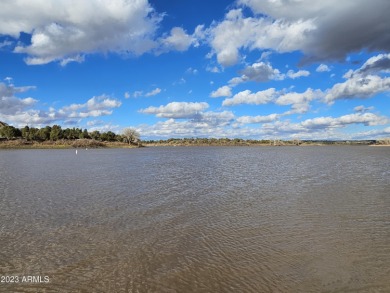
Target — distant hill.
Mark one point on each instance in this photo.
(2, 124)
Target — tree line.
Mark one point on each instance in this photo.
(56, 132)
(206, 141)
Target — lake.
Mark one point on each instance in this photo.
(196, 219)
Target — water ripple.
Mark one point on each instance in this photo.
(217, 219)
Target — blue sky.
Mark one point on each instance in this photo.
(257, 69)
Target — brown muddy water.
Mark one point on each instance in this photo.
(203, 219)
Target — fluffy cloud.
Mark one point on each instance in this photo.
(371, 134)
(31, 117)
(337, 30)
(10, 89)
(358, 87)
(247, 97)
(237, 32)
(193, 120)
(173, 128)
(376, 64)
(364, 82)
(76, 58)
(224, 91)
(63, 30)
(293, 75)
(138, 94)
(154, 92)
(215, 118)
(368, 119)
(322, 30)
(9, 103)
(322, 127)
(225, 124)
(263, 72)
(187, 110)
(20, 112)
(361, 83)
(209, 124)
(260, 72)
(12, 105)
(258, 119)
(300, 102)
(322, 68)
(177, 40)
(104, 127)
(362, 109)
(94, 107)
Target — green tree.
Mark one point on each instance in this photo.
(73, 134)
(44, 133)
(66, 133)
(95, 135)
(103, 136)
(84, 134)
(110, 136)
(118, 137)
(56, 133)
(25, 132)
(9, 132)
(33, 133)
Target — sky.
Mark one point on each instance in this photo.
(252, 69)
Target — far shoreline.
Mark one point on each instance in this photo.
(64, 144)
(94, 144)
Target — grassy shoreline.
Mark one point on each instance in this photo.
(262, 143)
(62, 144)
(91, 144)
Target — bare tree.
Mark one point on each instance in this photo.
(131, 135)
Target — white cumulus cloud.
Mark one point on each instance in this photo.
(65, 30)
(358, 87)
(9, 103)
(19, 112)
(258, 119)
(322, 30)
(322, 68)
(300, 102)
(263, 72)
(293, 75)
(362, 109)
(247, 97)
(177, 110)
(364, 82)
(95, 107)
(368, 119)
(154, 92)
(376, 64)
(260, 72)
(177, 40)
(224, 91)
(237, 32)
